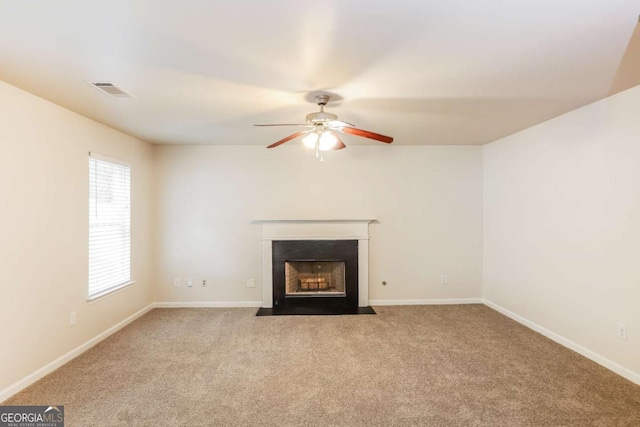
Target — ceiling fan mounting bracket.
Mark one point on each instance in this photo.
(322, 100)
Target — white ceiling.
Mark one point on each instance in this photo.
(422, 71)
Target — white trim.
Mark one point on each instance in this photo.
(589, 354)
(108, 292)
(363, 272)
(50, 367)
(444, 301)
(109, 159)
(267, 274)
(208, 304)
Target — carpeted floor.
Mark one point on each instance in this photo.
(420, 366)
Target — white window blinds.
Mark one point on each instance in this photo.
(109, 225)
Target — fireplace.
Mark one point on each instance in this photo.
(315, 272)
(279, 230)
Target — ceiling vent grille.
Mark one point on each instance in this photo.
(110, 89)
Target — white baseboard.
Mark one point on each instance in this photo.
(444, 301)
(50, 367)
(601, 360)
(202, 304)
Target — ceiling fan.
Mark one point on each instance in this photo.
(322, 128)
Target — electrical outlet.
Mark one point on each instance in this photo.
(621, 331)
(176, 282)
(190, 283)
(444, 279)
(72, 318)
(251, 283)
(204, 283)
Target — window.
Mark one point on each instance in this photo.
(109, 225)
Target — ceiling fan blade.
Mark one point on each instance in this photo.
(288, 124)
(367, 134)
(288, 138)
(339, 145)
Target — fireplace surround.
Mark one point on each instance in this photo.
(277, 230)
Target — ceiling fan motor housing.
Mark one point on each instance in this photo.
(320, 117)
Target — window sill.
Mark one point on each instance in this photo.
(108, 292)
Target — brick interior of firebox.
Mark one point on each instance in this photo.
(306, 277)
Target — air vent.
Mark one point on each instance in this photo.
(110, 89)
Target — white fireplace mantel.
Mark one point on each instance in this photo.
(315, 229)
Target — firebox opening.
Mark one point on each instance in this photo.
(308, 278)
(315, 273)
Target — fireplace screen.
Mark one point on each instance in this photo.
(314, 278)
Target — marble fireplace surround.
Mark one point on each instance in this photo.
(315, 229)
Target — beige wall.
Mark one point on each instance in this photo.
(44, 235)
(562, 226)
(428, 201)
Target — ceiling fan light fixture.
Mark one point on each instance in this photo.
(310, 140)
(327, 141)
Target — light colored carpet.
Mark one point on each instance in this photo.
(421, 365)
